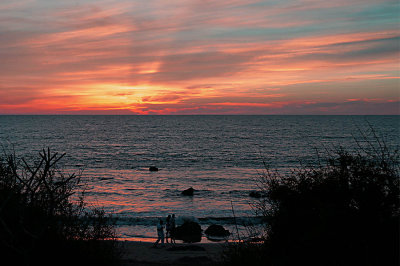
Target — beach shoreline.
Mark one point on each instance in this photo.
(143, 253)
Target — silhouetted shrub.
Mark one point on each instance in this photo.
(342, 212)
(244, 253)
(44, 220)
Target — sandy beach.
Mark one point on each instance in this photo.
(143, 253)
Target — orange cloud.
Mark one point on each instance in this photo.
(199, 57)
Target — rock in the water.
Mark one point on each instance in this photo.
(153, 169)
(188, 192)
(189, 232)
(217, 230)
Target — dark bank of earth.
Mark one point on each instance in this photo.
(141, 253)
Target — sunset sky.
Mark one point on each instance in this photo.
(199, 57)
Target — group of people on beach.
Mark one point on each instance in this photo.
(169, 230)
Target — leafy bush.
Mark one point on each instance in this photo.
(342, 212)
(44, 220)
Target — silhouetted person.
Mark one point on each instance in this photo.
(160, 233)
(168, 229)
(172, 228)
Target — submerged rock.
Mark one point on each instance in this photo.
(217, 230)
(153, 169)
(189, 232)
(188, 192)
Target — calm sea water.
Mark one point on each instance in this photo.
(219, 156)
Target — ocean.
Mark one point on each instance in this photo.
(221, 157)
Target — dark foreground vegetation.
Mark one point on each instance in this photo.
(343, 211)
(44, 220)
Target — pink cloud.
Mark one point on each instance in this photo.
(202, 57)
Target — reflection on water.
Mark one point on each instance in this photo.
(219, 156)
